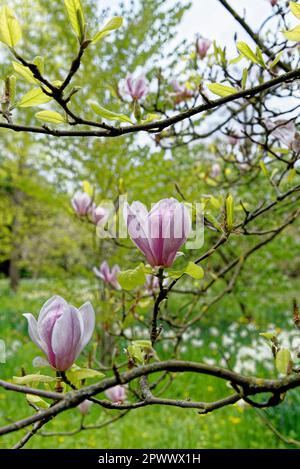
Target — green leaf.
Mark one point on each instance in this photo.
(295, 9)
(143, 343)
(194, 271)
(260, 57)
(221, 90)
(11, 83)
(77, 374)
(135, 352)
(88, 188)
(276, 60)
(247, 52)
(264, 168)
(107, 114)
(244, 78)
(39, 62)
(229, 209)
(10, 30)
(191, 269)
(34, 97)
(293, 34)
(236, 59)
(37, 401)
(213, 221)
(76, 17)
(150, 118)
(283, 361)
(24, 72)
(50, 116)
(132, 278)
(114, 23)
(268, 335)
(33, 378)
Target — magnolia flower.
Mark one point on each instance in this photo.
(107, 275)
(81, 203)
(181, 93)
(160, 233)
(62, 331)
(117, 394)
(99, 215)
(84, 407)
(233, 139)
(202, 47)
(152, 283)
(285, 132)
(215, 170)
(136, 87)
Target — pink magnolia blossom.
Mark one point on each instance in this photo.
(117, 394)
(233, 139)
(160, 233)
(107, 275)
(203, 46)
(99, 215)
(84, 407)
(81, 203)
(181, 93)
(62, 331)
(137, 88)
(152, 283)
(285, 132)
(215, 170)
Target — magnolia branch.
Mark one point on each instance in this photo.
(247, 386)
(110, 131)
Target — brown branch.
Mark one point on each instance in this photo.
(250, 386)
(108, 131)
(254, 36)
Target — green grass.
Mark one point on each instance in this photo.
(152, 427)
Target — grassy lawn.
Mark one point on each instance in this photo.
(153, 427)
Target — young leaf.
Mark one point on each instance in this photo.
(244, 78)
(295, 9)
(229, 210)
(11, 83)
(34, 97)
(77, 374)
(260, 57)
(107, 114)
(50, 116)
(150, 118)
(283, 360)
(132, 278)
(37, 401)
(191, 269)
(247, 52)
(268, 335)
(88, 188)
(33, 378)
(76, 17)
(10, 30)
(24, 72)
(221, 90)
(194, 271)
(276, 60)
(39, 62)
(293, 35)
(114, 23)
(264, 168)
(236, 59)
